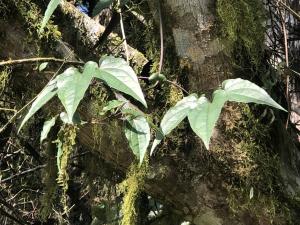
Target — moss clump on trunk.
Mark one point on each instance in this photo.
(4, 78)
(131, 187)
(255, 186)
(66, 143)
(242, 23)
(33, 16)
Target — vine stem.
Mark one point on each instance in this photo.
(42, 59)
(123, 32)
(161, 39)
(285, 36)
(170, 82)
(289, 9)
(6, 109)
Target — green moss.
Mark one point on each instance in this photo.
(49, 175)
(241, 24)
(33, 17)
(131, 187)
(99, 98)
(253, 165)
(66, 142)
(4, 78)
(175, 95)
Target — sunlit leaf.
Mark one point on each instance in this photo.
(137, 132)
(46, 94)
(204, 116)
(49, 11)
(177, 113)
(239, 90)
(173, 117)
(46, 128)
(72, 86)
(75, 120)
(43, 66)
(116, 73)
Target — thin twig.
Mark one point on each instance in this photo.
(287, 65)
(161, 39)
(6, 214)
(21, 173)
(289, 9)
(169, 81)
(123, 33)
(178, 86)
(5, 109)
(295, 72)
(33, 60)
(14, 117)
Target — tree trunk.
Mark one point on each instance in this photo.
(205, 187)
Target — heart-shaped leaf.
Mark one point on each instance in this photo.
(49, 11)
(72, 86)
(204, 116)
(177, 113)
(173, 117)
(116, 73)
(137, 132)
(46, 94)
(46, 128)
(239, 90)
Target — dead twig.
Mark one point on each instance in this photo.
(34, 60)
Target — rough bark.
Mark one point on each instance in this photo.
(194, 183)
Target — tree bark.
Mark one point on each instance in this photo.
(194, 183)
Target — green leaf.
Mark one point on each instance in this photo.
(157, 77)
(112, 105)
(64, 118)
(239, 90)
(49, 11)
(43, 66)
(46, 94)
(137, 132)
(46, 128)
(158, 138)
(177, 113)
(72, 86)
(117, 74)
(101, 4)
(75, 120)
(204, 116)
(173, 117)
(132, 112)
